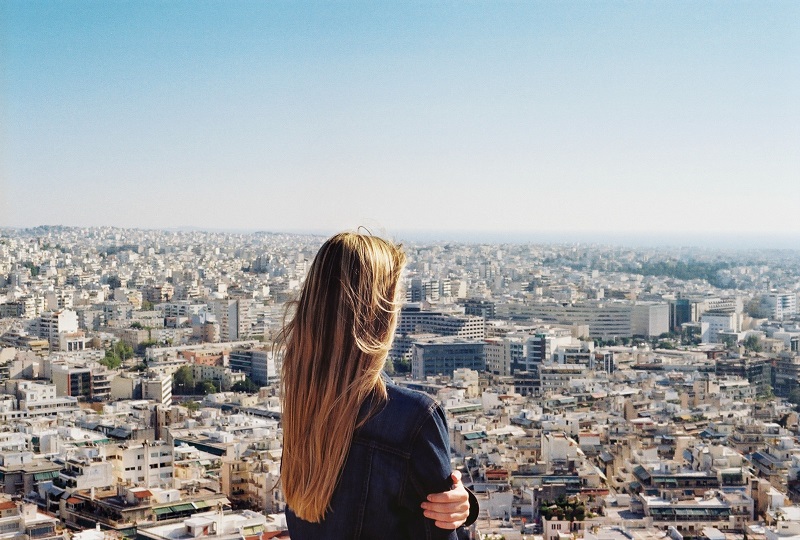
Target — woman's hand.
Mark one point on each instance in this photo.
(449, 509)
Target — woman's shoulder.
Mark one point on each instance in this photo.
(402, 397)
(399, 418)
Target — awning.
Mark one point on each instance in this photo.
(201, 504)
(182, 508)
(54, 491)
(47, 475)
(163, 510)
(120, 433)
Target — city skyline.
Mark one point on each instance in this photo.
(657, 120)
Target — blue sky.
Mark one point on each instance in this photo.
(635, 117)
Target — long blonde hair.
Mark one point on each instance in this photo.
(336, 345)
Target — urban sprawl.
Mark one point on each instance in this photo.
(596, 392)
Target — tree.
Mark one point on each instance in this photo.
(116, 354)
(388, 367)
(111, 360)
(729, 342)
(32, 267)
(402, 366)
(144, 345)
(794, 397)
(205, 387)
(192, 405)
(753, 343)
(247, 385)
(563, 509)
(183, 380)
(123, 350)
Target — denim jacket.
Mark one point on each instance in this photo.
(399, 456)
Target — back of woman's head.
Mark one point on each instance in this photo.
(336, 346)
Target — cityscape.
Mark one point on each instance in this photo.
(598, 315)
(591, 391)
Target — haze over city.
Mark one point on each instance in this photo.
(660, 122)
(597, 323)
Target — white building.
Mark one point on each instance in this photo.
(31, 399)
(720, 322)
(22, 520)
(650, 319)
(85, 472)
(158, 388)
(779, 305)
(142, 464)
(52, 323)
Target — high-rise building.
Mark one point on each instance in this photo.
(786, 374)
(650, 319)
(779, 305)
(606, 320)
(757, 370)
(414, 320)
(443, 355)
(480, 308)
(258, 364)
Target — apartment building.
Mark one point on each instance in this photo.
(144, 464)
(52, 323)
(85, 382)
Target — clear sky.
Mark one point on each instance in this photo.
(637, 117)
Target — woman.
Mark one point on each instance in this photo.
(360, 454)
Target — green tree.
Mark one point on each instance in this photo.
(111, 360)
(402, 366)
(794, 397)
(563, 509)
(729, 342)
(144, 345)
(205, 387)
(183, 380)
(247, 385)
(123, 350)
(32, 267)
(116, 354)
(192, 405)
(388, 367)
(753, 344)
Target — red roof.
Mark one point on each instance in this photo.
(73, 500)
(7, 505)
(142, 494)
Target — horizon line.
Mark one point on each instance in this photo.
(678, 239)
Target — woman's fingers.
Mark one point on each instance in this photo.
(449, 509)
